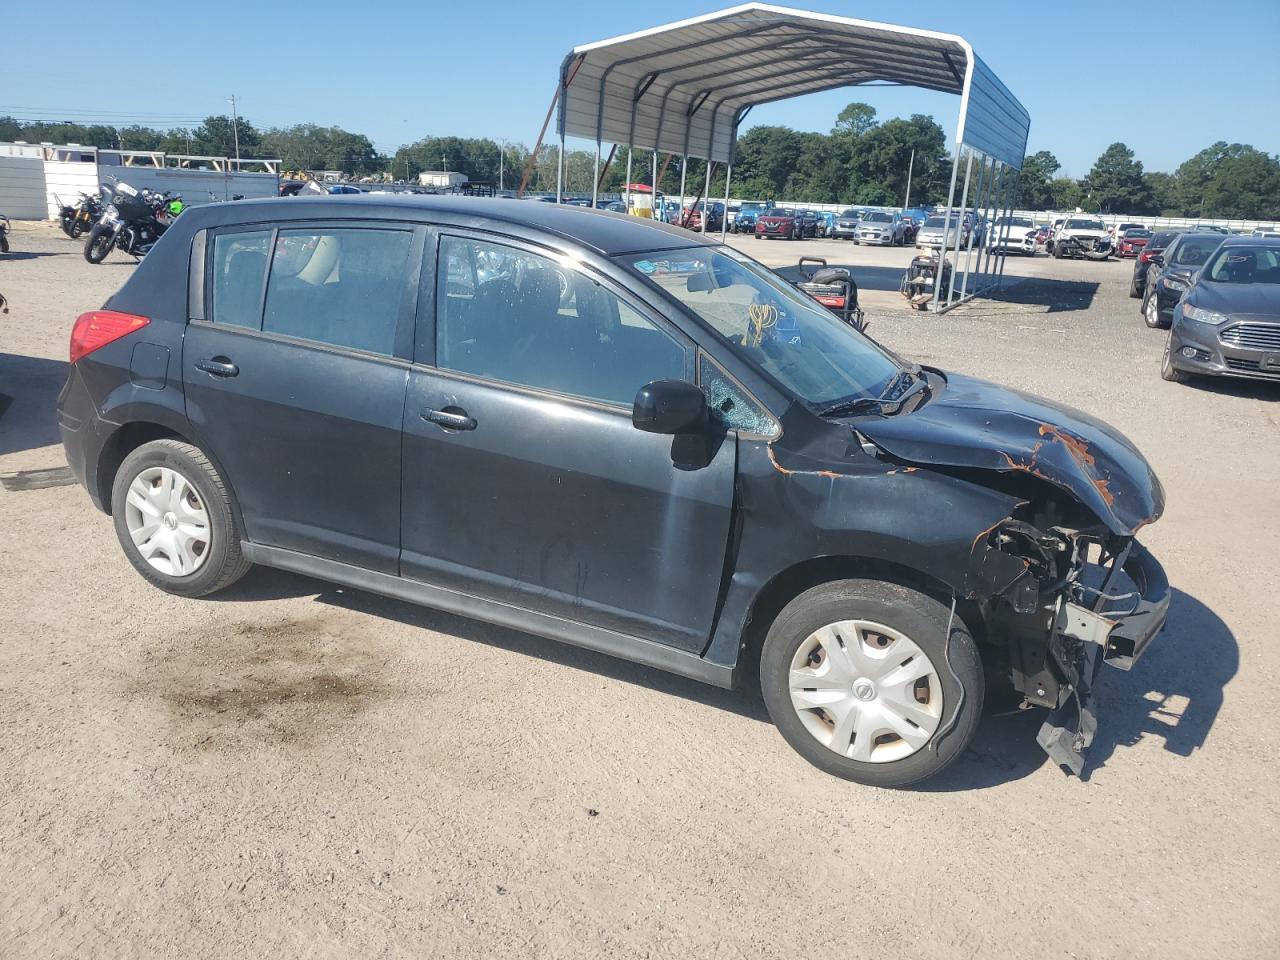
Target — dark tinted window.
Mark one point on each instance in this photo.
(1161, 240)
(239, 267)
(339, 286)
(514, 316)
(1192, 250)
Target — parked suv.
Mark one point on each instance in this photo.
(624, 436)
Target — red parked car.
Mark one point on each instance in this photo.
(786, 223)
(1132, 242)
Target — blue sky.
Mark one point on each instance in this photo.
(399, 70)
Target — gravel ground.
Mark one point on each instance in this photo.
(295, 770)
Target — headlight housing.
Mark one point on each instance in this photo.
(1201, 315)
(1173, 283)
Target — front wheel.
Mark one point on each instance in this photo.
(863, 680)
(1151, 311)
(99, 244)
(174, 519)
(1167, 370)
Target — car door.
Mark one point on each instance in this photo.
(524, 478)
(295, 372)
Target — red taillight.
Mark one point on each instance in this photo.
(1146, 255)
(100, 327)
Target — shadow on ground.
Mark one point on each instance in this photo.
(1055, 296)
(32, 254)
(29, 388)
(1174, 692)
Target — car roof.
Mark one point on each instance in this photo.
(610, 234)
(1242, 241)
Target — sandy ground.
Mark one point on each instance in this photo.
(294, 770)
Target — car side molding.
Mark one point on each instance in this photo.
(623, 646)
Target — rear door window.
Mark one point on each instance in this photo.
(341, 286)
(239, 271)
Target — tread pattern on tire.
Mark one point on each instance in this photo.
(234, 565)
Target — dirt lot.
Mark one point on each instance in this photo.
(294, 770)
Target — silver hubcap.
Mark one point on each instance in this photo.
(865, 691)
(1153, 312)
(167, 521)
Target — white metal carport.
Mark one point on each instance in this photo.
(684, 89)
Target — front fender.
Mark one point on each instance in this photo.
(932, 523)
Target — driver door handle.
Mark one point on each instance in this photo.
(451, 418)
(217, 367)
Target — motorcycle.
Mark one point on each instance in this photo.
(132, 221)
(4, 234)
(75, 220)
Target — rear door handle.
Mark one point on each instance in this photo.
(451, 418)
(217, 367)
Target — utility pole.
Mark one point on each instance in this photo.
(235, 125)
(501, 146)
(906, 200)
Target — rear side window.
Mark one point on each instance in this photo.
(343, 287)
(239, 269)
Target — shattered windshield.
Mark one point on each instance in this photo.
(803, 346)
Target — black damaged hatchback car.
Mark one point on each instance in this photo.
(620, 435)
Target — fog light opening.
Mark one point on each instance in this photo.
(1189, 352)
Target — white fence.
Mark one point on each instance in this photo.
(22, 188)
(36, 179)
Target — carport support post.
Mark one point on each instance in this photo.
(946, 231)
(653, 182)
(973, 229)
(706, 194)
(595, 178)
(1010, 201)
(560, 169)
(684, 168)
(724, 219)
(964, 203)
(627, 202)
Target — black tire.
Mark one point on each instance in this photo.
(1151, 311)
(916, 616)
(223, 563)
(4, 244)
(1134, 292)
(77, 230)
(98, 244)
(1167, 370)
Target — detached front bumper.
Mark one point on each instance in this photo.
(1117, 637)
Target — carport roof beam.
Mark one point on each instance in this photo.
(629, 80)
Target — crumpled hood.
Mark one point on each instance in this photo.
(974, 423)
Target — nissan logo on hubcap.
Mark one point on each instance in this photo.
(864, 690)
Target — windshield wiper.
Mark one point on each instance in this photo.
(887, 402)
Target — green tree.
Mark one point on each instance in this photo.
(1116, 183)
(1065, 194)
(310, 147)
(1033, 182)
(217, 138)
(1229, 180)
(881, 158)
(855, 120)
(1164, 193)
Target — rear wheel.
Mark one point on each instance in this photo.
(863, 680)
(174, 520)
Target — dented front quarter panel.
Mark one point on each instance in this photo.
(975, 424)
(826, 497)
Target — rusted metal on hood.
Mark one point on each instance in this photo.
(975, 424)
(786, 472)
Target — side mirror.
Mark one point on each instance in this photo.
(669, 406)
(1158, 260)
